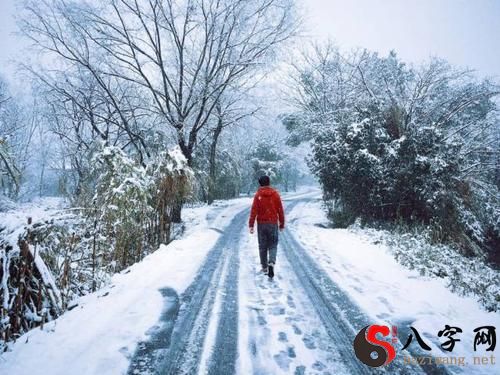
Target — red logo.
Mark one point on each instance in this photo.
(371, 350)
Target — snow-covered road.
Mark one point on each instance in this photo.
(234, 319)
(212, 295)
(281, 332)
(201, 306)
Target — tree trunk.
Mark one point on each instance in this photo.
(187, 151)
(42, 175)
(213, 163)
(176, 212)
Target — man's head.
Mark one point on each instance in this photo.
(264, 181)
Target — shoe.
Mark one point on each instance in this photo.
(271, 270)
(265, 271)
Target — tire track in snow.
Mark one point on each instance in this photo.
(334, 320)
(190, 324)
(225, 350)
(341, 317)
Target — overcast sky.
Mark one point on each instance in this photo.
(465, 32)
(7, 41)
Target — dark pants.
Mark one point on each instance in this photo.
(268, 243)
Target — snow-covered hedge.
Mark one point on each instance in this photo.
(46, 264)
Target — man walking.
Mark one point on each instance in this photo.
(268, 210)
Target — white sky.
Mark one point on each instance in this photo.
(7, 41)
(465, 32)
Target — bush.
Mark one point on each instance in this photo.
(402, 144)
(133, 205)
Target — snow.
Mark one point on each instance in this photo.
(100, 334)
(16, 218)
(356, 128)
(46, 276)
(13, 223)
(366, 154)
(179, 160)
(279, 330)
(211, 336)
(389, 293)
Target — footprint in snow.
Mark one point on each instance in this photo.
(124, 350)
(277, 310)
(316, 333)
(318, 366)
(276, 292)
(282, 360)
(253, 348)
(386, 303)
(300, 370)
(356, 288)
(282, 337)
(296, 330)
(295, 318)
(309, 342)
(274, 286)
(289, 300)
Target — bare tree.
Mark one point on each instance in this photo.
(178, 57)
(182, 54)
(17, 124)
(81, 114)
(231, 110)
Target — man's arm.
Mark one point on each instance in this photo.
(253, 213)
(281, 213)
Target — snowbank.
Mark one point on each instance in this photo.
(390, 293)
(100, 334)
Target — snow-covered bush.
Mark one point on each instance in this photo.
(31, 290)
(397, 143)
(131, 211)
(6, 203)
(45, 265)
(119, 208)
(172, 181)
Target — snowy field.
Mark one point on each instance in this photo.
(13, 220)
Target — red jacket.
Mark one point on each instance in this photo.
(267, 208)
